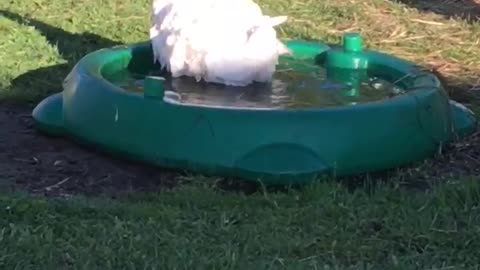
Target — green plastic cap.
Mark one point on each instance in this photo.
(352, 42)
(154, 87)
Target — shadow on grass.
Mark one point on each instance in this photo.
(37, 84)
(468, 10)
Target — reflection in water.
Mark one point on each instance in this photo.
(296, 84)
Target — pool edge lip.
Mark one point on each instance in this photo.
(48, 115)
(464, 121)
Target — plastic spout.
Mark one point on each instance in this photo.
(348, 64)
(350, 56)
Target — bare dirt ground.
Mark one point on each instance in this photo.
(57, 167)
(54, 166)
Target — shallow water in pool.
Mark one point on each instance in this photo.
(304, 86)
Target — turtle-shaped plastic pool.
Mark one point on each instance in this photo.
(329, 109)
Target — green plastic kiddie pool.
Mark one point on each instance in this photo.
(271, 143)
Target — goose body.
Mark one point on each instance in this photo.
(221, 41)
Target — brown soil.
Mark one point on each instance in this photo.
(57, 167)
(54, 166)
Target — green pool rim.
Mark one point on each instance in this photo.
(301, 49)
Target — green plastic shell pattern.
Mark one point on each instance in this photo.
(274, 146)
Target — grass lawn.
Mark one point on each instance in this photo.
(195, 225)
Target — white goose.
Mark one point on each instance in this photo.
(221, 41)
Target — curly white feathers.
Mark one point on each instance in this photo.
(222, 41)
